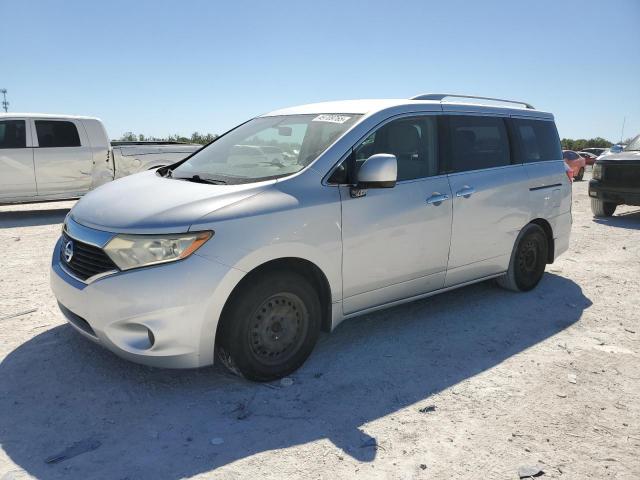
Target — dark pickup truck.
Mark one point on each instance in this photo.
(616, 180)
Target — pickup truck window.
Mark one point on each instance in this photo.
(56, 133)
(12, 134)
(266, 148)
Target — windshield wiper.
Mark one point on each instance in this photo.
(199, 179)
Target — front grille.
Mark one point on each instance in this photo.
(86, 260)
(622, 175)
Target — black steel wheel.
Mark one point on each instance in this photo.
(278, 328)
(270, 326)
(528, 260)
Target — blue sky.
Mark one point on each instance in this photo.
(161, 67)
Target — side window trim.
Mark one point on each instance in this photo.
(445, 150)
(32, 133)
(348, 156)
(515, 142)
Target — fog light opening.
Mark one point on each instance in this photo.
(152, 338)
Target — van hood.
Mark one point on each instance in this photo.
(149, 203)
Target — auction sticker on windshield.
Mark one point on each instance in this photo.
(331, 118)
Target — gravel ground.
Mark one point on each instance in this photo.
(473, 383)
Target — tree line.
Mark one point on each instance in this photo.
(204, 138)
(196, 137)
(581, 143)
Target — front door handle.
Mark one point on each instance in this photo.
(437, 198)
(465, 191)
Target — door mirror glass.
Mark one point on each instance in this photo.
(378, 171)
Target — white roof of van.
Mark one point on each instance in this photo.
(44, 115)
(374, 105)
(341, 106)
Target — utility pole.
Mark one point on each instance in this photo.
(624, 120)
(5, 104)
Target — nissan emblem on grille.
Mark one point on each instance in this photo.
(68, 251)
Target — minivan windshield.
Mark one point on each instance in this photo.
(265, 148)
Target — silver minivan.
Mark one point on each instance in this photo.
(367, 204)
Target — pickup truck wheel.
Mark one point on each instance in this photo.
(580, 175)
(601, 208)
(528, 260)
(270, 327)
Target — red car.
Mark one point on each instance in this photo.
(576, 163)
(589, 157)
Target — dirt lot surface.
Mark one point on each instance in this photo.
(474, 383)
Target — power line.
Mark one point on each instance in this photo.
(5, 104)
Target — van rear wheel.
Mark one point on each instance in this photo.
(528, 260)
(270, 327)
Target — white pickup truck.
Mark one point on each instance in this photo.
(56, 157)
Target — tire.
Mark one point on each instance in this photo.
(270, 326)
(601, 208)
(580, 175)
(528, 260)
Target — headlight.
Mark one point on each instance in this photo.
(133, 251)
(597, 171)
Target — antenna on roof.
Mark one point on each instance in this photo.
(440, 96)
(5, 104)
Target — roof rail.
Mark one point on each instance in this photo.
(441, 96)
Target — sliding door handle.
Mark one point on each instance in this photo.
(437, 198)
(465, 191)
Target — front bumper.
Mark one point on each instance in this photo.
(162, 316)
(613, 194)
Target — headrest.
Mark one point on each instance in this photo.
(403, 138)
(466, 140)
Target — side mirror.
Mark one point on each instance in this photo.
(378, 171)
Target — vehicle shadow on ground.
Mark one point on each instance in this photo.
(123, 420)
(630, 220)
(30, 218)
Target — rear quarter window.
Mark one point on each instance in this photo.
(538, 141)
(56, 133)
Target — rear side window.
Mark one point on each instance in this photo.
(538, 141)
(12, 134)
(55, 133)
(478, 142)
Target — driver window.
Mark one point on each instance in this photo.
(411, 140)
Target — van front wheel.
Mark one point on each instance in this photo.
(270, 326)
(528, 260)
